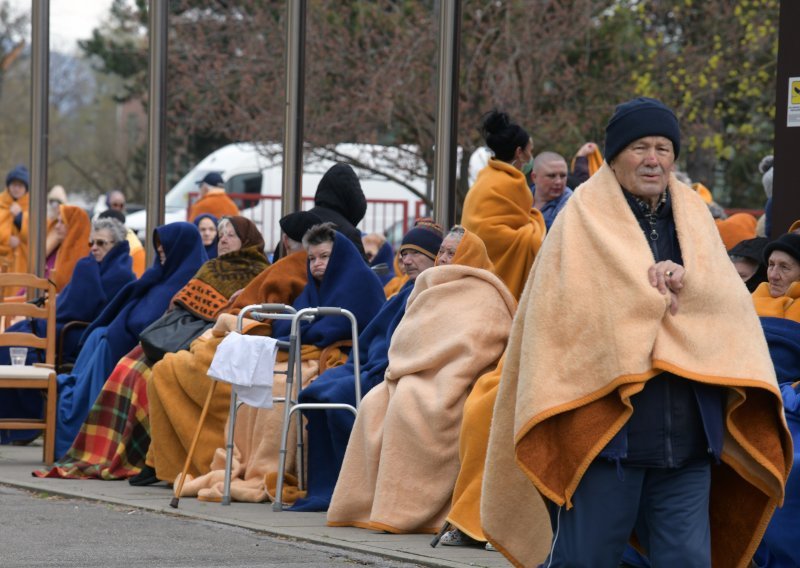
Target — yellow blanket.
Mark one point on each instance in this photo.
(590, 330)
(256, 441)
(499, 209)
(402, 458)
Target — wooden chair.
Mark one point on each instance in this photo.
(41, 377)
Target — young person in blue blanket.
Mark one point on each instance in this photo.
(329, 430)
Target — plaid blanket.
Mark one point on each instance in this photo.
(113, 441)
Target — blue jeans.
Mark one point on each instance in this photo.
(666, 508)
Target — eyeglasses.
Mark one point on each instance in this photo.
(100, 243)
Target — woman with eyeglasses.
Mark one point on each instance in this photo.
(96, 279)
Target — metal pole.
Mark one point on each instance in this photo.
(292, 190)
(156, 120)
(445, 150)
(786, 177)
(40, 95)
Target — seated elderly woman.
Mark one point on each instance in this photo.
(65, 245)
(113, 440)
(337, 276)
(116, 330)
(179, 385)
(96, 280)
(777, 297)
(329, 430)
(455, 328)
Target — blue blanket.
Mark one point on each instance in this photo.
(385, 256)
(348, 283)
(329, 430)
(92, 286)
(116, 330)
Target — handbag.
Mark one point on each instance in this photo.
(173, 331)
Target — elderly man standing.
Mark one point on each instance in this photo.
(549, 185)
(213, 199)
(644, 399)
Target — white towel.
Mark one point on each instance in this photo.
(247, 362)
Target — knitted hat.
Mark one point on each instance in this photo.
(247, 231)
(295, 225)
(425, 237)
(766, 169)
(788, 243)
(19, 173)
(638, 118)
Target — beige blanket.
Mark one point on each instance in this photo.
(402, 459)
(590, 330)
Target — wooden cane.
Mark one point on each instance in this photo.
(179, 488)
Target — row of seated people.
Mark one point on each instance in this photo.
(419, 442)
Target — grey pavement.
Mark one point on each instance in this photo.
(129, 524)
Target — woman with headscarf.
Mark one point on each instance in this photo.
(114, 438)
(116, 330)
(407, 426)
(66, 244)
(499, 206)
(96, 280)
(207, 225)
(337, 276)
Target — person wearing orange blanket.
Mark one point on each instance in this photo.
(70, 243)
(402, 457)
(778, 296)
(499, 206)
(638, 398)
(179, 384)
(213, 199)
(14, 222)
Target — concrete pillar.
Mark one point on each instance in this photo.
(292, 189)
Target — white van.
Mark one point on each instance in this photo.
(256, 169)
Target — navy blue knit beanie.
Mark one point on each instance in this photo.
(19, 173)
(425, 237)
(638, 118)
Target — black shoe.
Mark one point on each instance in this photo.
(145, 477)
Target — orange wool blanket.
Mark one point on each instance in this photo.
(590, 331)
(402, 458)
(179, 384)
(74, 246)
(499, 209)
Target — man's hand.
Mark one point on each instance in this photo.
(667, 277)
(586, 149)
(15, 209)
(225, 324)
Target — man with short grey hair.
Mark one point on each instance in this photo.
(549, 185)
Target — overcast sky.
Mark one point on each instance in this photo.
(70, 20)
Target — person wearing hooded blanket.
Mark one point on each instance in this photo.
(337, 276)
(341, 201)
(748, 258)
(179, 384)
(116, 330)
(207, 225)
(499, 206)
(402, 458)
(14, 222)
(113, 440)
(329, 430)
(71, 228)
(619, 359)
(96, 280)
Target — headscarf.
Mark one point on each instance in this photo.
(211, 250)
(247, 232)
(471, 251)
(74, 246)
(140, 303)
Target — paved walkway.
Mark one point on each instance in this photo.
(16, 464)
